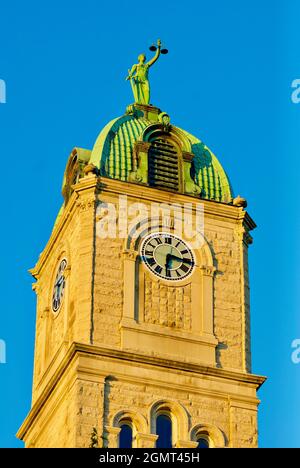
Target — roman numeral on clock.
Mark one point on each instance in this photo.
(184, 268)
(151, 261)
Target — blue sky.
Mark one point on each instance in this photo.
(227, 79)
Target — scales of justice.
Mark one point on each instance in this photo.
(138, 75)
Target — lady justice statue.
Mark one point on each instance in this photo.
(138, 75)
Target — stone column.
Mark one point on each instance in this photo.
(207, 300)
(129, 286)
(112, 436)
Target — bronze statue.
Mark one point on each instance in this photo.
(138, 75)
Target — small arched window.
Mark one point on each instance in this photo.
(126, 436)
(164, 431)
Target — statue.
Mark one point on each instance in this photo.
(138, 75)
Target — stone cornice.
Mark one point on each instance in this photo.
(142, 192)
(252, 379)
(77, 349)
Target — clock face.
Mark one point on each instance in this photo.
(59, 286)
(167, 256)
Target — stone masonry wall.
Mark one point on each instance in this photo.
(227, 295)
(108, 292)
(167, 306)
(50, 329)
(170, 306)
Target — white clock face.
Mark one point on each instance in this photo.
(167, 256)
(59, 286)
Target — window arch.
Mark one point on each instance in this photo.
(129, 425)
(170, 417)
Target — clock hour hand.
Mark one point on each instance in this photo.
(168, 261)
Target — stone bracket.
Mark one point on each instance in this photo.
(189, 184)
(140, 163)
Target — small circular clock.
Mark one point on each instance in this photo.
(59, 286)
(167, 256)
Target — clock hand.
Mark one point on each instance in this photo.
(182, 260)
(168, 258)
(59, 281)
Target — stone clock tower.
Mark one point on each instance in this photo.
(143, 324)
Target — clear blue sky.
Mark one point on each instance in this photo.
(227, 79)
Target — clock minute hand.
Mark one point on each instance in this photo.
(58, 282)
(180, 259)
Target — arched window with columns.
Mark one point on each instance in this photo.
(128, 429)
(169, 423)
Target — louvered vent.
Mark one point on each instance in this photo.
(163, 164)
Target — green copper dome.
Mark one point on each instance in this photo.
(113, 150)
(113, 153)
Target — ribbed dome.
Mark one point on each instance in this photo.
(112, 152)
(113, 156)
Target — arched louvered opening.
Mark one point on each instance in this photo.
(163, 164)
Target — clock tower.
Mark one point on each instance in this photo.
(143, 320)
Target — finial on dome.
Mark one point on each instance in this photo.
(138, 75)
(240, 202)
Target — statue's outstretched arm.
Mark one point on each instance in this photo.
(131, 72)
(157, 54)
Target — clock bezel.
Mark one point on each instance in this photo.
(158, 275)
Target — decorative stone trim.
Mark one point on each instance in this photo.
(86, 204)
(186, 444)
(208, 270)
(142, 146)
(190, 186)
(140, 162)
(146, 440)
(89, 169)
